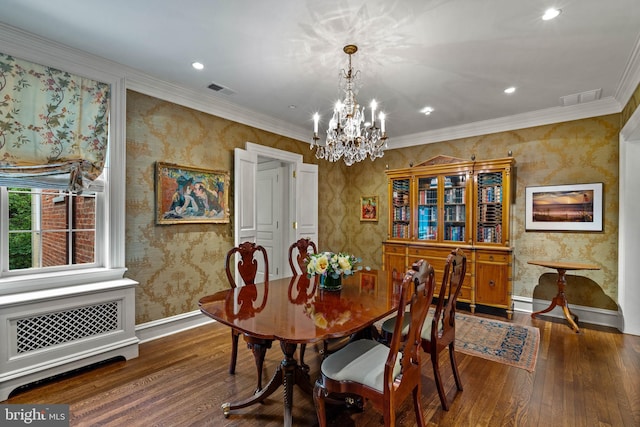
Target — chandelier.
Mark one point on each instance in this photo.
(348, 136)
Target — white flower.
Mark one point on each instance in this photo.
(329, 263)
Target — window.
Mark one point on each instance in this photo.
(63, 238)
(50, 228)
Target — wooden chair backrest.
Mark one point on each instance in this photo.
(455, 269)
(248, 263)
(302, 245)
(416, 295)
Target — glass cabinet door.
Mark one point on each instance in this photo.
(427, 221)
(489, 209)
(401, 208)
(455, 206)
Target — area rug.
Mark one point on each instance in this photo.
(508, 343)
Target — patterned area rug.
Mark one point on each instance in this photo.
(503, 342)
(508, 343)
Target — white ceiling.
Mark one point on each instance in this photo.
(456, 56)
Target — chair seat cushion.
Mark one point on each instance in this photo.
(361, 361)
(389, 325)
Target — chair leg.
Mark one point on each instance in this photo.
(417, 406)
(259, 349)
(436, 373)
(234, 351)
(318, 400)
(389, 415)
(454, 366)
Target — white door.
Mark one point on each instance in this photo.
(269, 203)
(306, 209)
(301, 180)
(245, 213)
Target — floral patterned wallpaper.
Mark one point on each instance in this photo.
(176, 265)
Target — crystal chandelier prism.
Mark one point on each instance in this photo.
(348, 136)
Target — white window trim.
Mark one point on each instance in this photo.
(110, 229)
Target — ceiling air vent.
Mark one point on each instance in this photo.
(580, 98)
(220, 89)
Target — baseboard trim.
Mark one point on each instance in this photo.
(591, 315)
(170, 325)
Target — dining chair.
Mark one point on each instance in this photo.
(300, 250)
(247, 268)
(298, 254)
(369, 370)
(439, 331)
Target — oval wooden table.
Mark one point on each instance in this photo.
(295, 311)
(560, 299)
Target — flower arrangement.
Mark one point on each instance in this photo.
(331, 264)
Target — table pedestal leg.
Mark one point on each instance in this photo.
(561, 300)
(288, 373)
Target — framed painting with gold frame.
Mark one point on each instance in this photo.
(368, 208)
(187, 195)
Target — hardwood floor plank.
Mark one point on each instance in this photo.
(587, 379)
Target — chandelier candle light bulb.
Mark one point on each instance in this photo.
(348, 136)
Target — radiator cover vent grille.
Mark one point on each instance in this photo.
(51, 329)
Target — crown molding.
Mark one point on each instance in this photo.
(547, 116)
(211, 104)
(34, 48)
(630, 77)
(30, 47)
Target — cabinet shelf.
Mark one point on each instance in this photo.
(445, 203)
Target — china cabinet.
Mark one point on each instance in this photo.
(444, 203)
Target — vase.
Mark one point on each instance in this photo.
(328, 283)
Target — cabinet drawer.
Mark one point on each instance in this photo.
(429, 253)
(394, 249)
(465, 294)
(499, 257)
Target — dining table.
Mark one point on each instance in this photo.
(296, 310)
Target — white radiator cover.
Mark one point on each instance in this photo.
(45, 333)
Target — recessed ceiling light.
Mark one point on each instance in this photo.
(427, 110)
(197, 65)
(551, 13)
(510, 90)
(293, 107)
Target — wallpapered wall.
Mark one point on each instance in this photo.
(176, 265)
(580, 151)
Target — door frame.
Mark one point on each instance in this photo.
(292, 163)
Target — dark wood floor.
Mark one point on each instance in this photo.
(587, 379)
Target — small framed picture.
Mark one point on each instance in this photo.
(369, 283)
(368, 208)
(191, 195)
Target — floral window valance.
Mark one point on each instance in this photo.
(53, 126)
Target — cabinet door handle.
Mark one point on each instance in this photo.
(492, 283)
(490, 257)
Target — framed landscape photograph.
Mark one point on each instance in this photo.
(186, 195)
(368, 208)
(576, 207)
